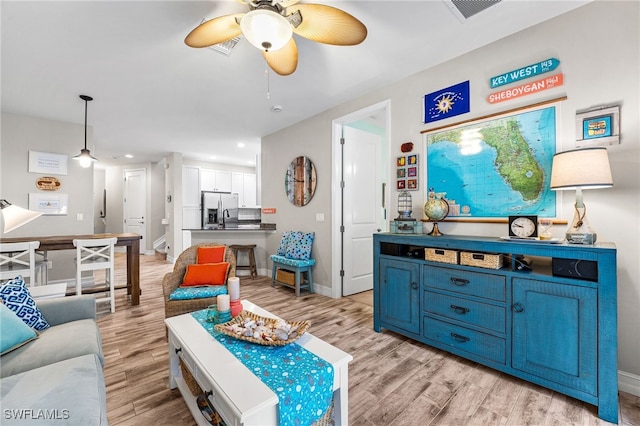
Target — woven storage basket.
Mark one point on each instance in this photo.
(286, 277)
(327, 418)
(483, 260)
(441, 255)
(193, 386)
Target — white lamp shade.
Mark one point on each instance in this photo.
(14, 216)
(266, 30)
(586, 168)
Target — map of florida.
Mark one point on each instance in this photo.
(514, 161)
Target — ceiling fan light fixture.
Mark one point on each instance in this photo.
(266, 30)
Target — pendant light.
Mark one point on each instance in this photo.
(85, 158)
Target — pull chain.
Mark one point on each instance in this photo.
(266, 73)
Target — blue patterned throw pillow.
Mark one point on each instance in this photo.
(284, 243)
(300, 245)
(16, 297)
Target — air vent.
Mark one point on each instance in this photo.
(226, 46)
(464, 9)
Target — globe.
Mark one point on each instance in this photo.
(436, 208)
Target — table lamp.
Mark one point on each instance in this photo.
(14, 216)
(586, 168)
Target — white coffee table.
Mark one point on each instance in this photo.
(238, 395)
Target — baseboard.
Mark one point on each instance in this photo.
(629, 383)
(322, 290)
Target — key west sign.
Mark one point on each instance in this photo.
(525, 72)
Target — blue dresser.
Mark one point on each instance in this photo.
(543, 312)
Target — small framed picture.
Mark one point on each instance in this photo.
(401, 173)
(412, 159)
(402, 161)
(401, 184)
(412, 171)
(598, 127)
(412, 184)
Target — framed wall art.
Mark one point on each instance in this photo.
(47, 163)
(498, 165)
(598, 127)
(407, 167)
(49, 203)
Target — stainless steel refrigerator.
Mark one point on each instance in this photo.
(219, 208)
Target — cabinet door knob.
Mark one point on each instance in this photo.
(178, 350)
(518, 307)
(460, 338)
(459, 281)
(414, 285)
(459, 309)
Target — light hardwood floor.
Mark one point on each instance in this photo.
(392, 380)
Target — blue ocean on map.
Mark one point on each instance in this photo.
(473, 182)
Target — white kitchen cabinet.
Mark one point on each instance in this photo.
(245, 185)
(191, 218)
(190, 186)
(215, 180)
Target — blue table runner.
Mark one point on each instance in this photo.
(302, 380)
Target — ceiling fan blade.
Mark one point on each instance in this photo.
(283, 61)
(326, 24)
(215, 31)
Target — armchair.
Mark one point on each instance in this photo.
(174, 279)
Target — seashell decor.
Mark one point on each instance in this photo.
(261, 330)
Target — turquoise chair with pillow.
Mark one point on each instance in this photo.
(293, 257)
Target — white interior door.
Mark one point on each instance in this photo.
(135, 202)
(362, 202)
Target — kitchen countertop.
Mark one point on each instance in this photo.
(236, 227)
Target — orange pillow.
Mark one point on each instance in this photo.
(213, 254)
(208, 274)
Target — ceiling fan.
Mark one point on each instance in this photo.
(269, 25)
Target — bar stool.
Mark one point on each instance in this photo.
(252, 258)
(93, 255)
(20, 259)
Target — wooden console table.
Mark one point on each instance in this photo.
(65, 242)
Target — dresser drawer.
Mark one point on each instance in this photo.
(479, 314)
(473, 342)
(478, 284)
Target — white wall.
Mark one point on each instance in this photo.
(598, 47)
(22, 134)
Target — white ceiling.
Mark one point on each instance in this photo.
(154, 95)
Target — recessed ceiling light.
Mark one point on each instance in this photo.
(240, 145)
(213, 157)
(128, 156)
(276, 108)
